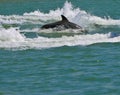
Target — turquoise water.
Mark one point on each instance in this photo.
(50, 62)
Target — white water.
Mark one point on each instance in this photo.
(12, 38)
(75, 15)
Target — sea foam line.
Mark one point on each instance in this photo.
(12, 39)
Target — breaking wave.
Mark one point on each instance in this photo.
(12, 38)
(75, 15)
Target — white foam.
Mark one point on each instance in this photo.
(12, 39)
(75, 15)
(11, 34)
(44, 42)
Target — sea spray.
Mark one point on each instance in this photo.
(13, 38)
(11, 34)
(75, 15)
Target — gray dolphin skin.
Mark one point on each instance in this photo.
(64, 24)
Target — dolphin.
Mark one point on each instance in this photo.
(63, 24)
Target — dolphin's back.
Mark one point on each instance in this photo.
(51, 25)
(74, 26)
(64, 23)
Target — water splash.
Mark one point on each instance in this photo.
(12, 38)
(75, 15)
(10, 35)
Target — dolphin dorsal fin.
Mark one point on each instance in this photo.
(64, 18)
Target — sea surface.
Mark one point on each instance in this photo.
(50, 62)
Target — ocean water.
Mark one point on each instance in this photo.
(49, 62)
